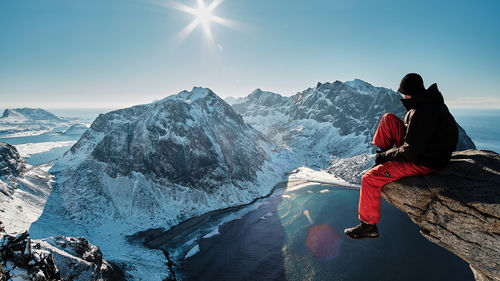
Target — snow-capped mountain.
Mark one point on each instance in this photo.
(155, 162)
(31, 114)
(328, 121)
(156, 165)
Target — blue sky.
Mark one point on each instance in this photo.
(117, 53)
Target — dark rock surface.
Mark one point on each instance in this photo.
(3, 275)
(11, 163)
(21, 259)
(458, 208)
(55, 258)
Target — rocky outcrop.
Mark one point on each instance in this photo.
(55, 258)
(77, 259)
(25, 260)
(11, 163)
(458, 208)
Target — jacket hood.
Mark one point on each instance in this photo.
(431, 96)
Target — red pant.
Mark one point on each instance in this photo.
(390, 132)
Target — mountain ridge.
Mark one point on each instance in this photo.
(325, 122)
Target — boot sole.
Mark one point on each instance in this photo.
(361, 238)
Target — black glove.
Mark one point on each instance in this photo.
(380, 158)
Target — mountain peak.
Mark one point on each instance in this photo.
(258, 90)
(358, 82)
(362, 87)
(200, 93)
(193, 95)
(256, 93)
(6, 113)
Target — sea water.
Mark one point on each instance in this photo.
(46, 139)
(481, 125)
(299, 236)
(51, 151)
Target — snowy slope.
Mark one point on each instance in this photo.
(352, 169)
(23, 190)
(232, 100)
(156, 165)
(326, 122)
(76, 129)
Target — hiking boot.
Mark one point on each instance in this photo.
(361, 231)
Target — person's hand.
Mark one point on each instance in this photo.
(380, 158)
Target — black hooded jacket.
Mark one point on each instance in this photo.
(431, 131)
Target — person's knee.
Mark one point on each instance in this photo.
(366, 179)
(388, 117)
(374, 178)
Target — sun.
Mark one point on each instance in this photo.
(203, 14)
(203, 17)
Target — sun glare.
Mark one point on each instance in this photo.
(203, 16)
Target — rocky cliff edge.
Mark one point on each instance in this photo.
(458, 208)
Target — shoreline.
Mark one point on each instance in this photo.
(177, 229)
(169, 235)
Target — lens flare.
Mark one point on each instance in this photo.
(323, 242)
(308, 216)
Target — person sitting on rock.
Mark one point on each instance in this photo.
(423, 144)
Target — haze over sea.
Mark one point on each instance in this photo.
(481, 125)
